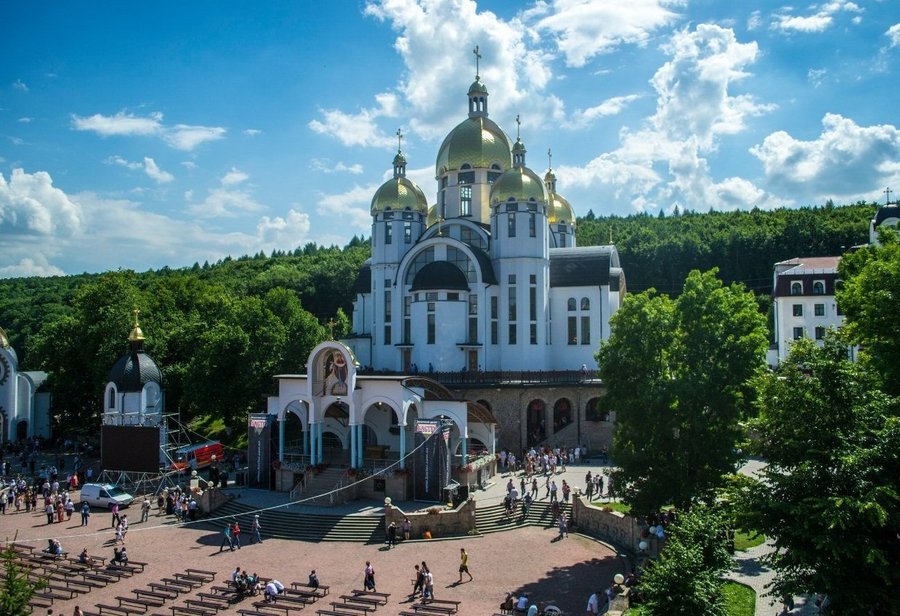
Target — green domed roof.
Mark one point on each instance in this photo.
(477, 141)
(561, 211)
(399, 193)
(520, 183)
(432, 217)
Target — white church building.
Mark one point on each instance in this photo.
(24, 403)
(485, 286)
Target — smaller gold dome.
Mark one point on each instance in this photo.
(433, 217)
(520, 183)
(477, 87)
(399, 193)
(399, 159)
(561, 211)
(4, 339)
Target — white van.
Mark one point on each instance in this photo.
(104, 495)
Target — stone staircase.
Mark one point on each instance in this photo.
(282, 524)
(319, 489)
(492, 519)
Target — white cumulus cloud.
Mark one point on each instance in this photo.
(153, 170)
(893, 33)
(30, 266)
(180, 136)
(326, 166)
(585, 28)
(235, 176)
(820, 20)
(31, 205)
(350, 207)
(19, 85)
(609, 107)
(845, 160)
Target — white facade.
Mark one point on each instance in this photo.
(24, 409)
(488, 278)
(804, 305)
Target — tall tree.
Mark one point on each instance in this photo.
(830, 495)
(677, 375)
(16, 589)
(869, 295)
(686, 580)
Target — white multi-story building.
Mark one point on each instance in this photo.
(804, 305)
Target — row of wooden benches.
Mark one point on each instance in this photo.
(156, 594)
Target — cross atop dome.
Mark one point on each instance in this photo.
(399, 159)
(399, 140)
(477, 53)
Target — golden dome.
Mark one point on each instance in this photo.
(477, 141)
(561, 210)
(520, 183)
(477, 87)
(399, 193)
(4, 339)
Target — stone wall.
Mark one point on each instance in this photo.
(443, 523)
(621, 530)
(509, 404)
(396, 487)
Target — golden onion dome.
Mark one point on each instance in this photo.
(477, 87)
(521, 184)
(561, 210)
(477, 141)
(549, 177)
(399, 193)
(399, 159)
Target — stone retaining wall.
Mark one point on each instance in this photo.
(443, 523)
(616, 528)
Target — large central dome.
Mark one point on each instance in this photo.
(477, 141)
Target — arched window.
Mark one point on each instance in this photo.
(593, 412)
(819, 287)
(572, 305)
(112, 398)
(585, 303)
(796, 288)
(535, 424)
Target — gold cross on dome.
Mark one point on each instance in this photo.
(549, 159)
(518, 127)
(399, 139)
(136, 312)
(477, 53)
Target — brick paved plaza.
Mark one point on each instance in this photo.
(559, 572)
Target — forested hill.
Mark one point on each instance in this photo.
(658, 251)
(221, 331)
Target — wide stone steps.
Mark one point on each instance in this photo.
(492, 519)
(303, 526)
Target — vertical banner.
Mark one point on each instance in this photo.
(431, 470)
(259, 453)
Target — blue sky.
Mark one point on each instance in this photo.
(147, 134)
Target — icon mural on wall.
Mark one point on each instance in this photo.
(335, 369)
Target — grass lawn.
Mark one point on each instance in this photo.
(744, 540)
(740, 600)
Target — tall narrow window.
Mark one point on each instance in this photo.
(585, 329)
(573, 330)
(512, 309)
(442, 211)
(407, 233)
(511, 225)
(473, 318)
(388, 233)
(494, 319)
(465, 200)
(532, 225)
(407, 319)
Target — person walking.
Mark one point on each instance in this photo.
(369, 577)
(85, 513)
(392, 535)
(226, 538)
(235, 535)
(418, 582)
(114, 510)
(464, 565)
(255, 528)
(145, 510)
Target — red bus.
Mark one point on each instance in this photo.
(197, 456)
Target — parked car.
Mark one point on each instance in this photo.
(104, 495)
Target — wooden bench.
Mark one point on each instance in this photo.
(191, 611)
(153, 594)
(196, 580)
(118, 610)
(247, 612)
(138, 602)
(442, 602)
(137, 565)
(202, 573)
(214, 598)
(325, 612)
(284, 609)
(61, 590)
(172, 591)
(206, 605)
(98, 578)
(372, 602)
(381, 597)
(321, 588)
(20, 547)
(183, 584)
(356, 608)
(428, 608)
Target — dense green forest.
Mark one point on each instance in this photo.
(227, 327)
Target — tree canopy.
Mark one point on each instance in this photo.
(678, 376)
(830, 495)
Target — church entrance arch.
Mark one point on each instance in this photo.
(535, 422)
(562, 414)
(21, 430)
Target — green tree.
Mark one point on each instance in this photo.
(686, 579)
(830, 495)
(16, 590)
(678, 377)
(868, 295)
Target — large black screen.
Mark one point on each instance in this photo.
(129, 448)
